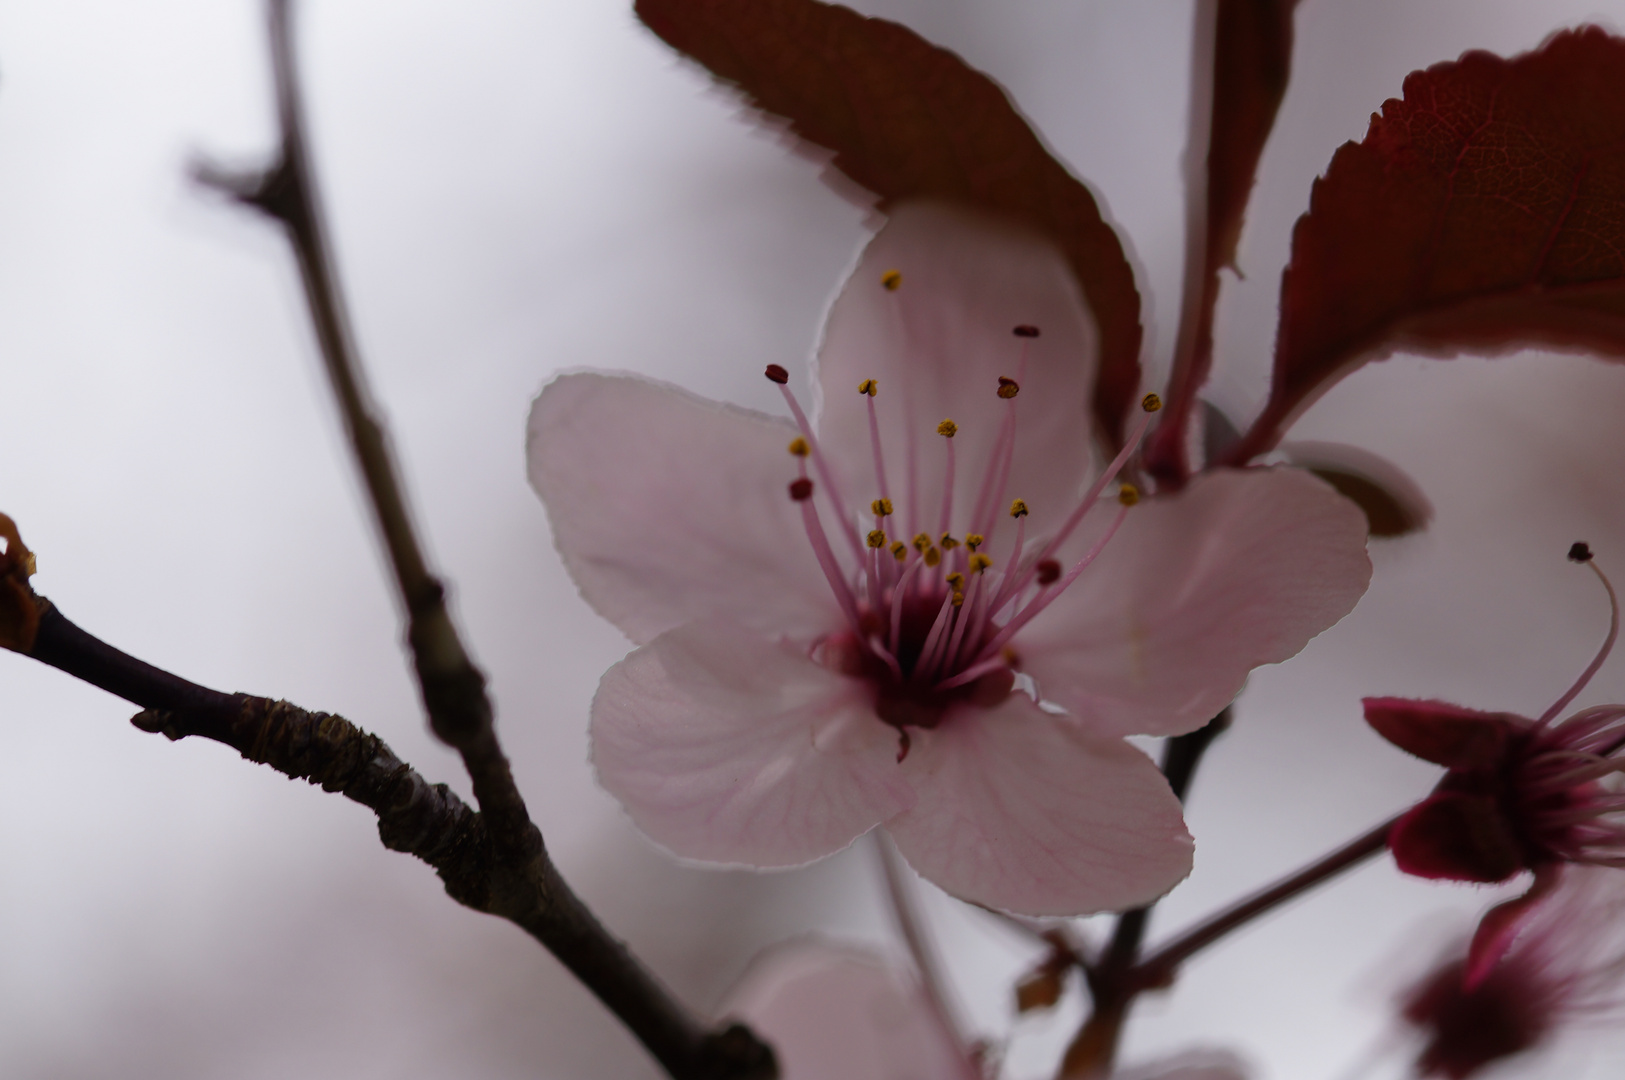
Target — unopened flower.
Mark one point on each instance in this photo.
(1517, 795)
(840, 1012)
(1565, 964)
(831, 638)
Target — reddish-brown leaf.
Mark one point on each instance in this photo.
(1482, 213)
(906, 119)
(1252, 63)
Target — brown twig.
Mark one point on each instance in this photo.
(522, 883)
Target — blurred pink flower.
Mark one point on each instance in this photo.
(1564, 963)
(836, 1012)
(1517, 795)
(794, 687)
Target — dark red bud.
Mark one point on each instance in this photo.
(801, 489)
(777, 374)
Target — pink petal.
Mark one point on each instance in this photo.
(667, 507)
(1442, 733)
(1242, 568)
(1025, 811)
(842, 1013)
(937, 346)
(725, 747)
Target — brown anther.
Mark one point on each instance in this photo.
(931, 556)
(1128, 494)
(956, 579)
(948, 542)
(1008, 388)
(922, 541)
(1151, 403)
(974, 541)
(959, 599)
(799, 447)
(877, 538)
(1018, 509)
(868, 388)
(1025, 330)
(1049, 571)
(947, 429)
(891, 279)
(801, 490)
(1580, 552)
(978, 562)
(899, 551)
(881, 507)
(777, 374)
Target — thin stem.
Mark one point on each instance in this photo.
(525, 886)
(1158, 968)
(912, 927)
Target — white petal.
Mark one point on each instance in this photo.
(667, 508)
(842, 1013)
(1023, 811)
(937, 346)
(732, 749)
(1240, 569)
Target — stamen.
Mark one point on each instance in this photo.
(899, 551)
(836, 496)
(1018, 509)
(897, 604)
(1582, 554)
(1128, 494)
(931, 556)
(801, 489)
(1048, 571)
(974, 541)
(891, 279)
(922, 541)
(1151, 403)
(1008, 388)
(877, 538)
(826, 557)
(967, 616)
(776, 373)
(948, 429)
(1026, 331)
(948, 542)
(799, 447)
(868, 388)
(937, 634)
(979, 562)
(881, 507)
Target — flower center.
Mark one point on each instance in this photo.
(931, 608)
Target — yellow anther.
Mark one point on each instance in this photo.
(956, 579)
(868, 388)
(948, 542)
(932, 556)
(899, 551)
(799, 447)
(921, 542)
(877, 538)
(978, 563)
(1151, 403)
(974, 541)
(1128, 494)
(891, 279)
(881, 507)
(947, 429)
(959, 598)
(1008, 388)
(1018, 509)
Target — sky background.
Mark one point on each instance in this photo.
(518, 188)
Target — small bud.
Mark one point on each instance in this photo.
(891, 279)
(799, 447)
(947, 429)
(1049, 571)
(1580, 552)
(1018, 509)
(877, 538)
(1128, 494)
(777, 374)
(801, 490)
(1008, 388)
(1151, 403)
(881, 507)
(1025, 330)
(868, 388)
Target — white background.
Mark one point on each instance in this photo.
(520, 187)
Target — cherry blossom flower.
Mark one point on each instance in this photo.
(1517, 794)
(1565, 964)
(837, 1012)
(925, 614)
